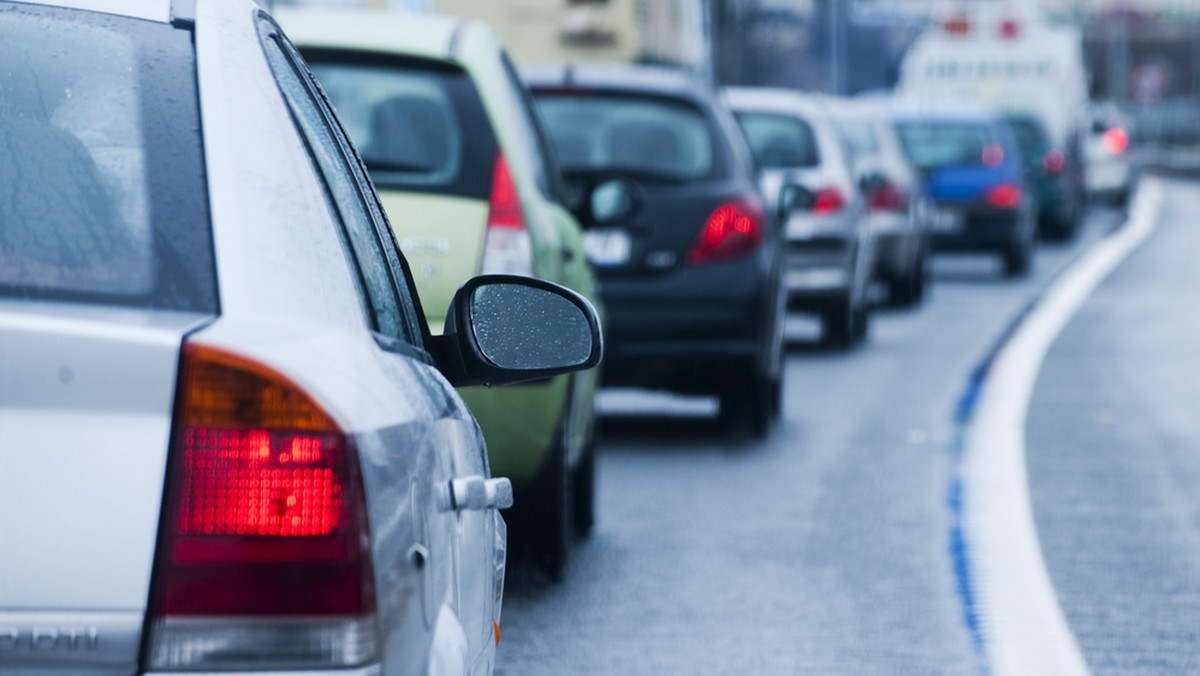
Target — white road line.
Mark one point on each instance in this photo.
(1023, 627)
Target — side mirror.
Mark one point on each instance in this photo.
(503, 329)
(794, 197)
(608, 201)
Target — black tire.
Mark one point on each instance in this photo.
(1018, 259)
(748, 407)
(908, 291)
(838, 324)
(583, 491)
(545, 517)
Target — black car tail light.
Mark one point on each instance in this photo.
(264, 556)
(733, 230)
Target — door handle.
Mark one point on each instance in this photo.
(477, 493)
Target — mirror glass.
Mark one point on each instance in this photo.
(527, 328)
(612, 201)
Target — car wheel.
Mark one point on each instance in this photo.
(747, 406)
(545, 517)
(583, 490)
(1018, 258)
(838, 324)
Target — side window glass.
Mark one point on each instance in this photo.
(391, 314)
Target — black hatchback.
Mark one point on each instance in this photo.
(688, 258)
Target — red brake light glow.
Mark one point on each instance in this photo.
(734, 230)
(1005, 196)
(1009, 29)
(886, 197)
(266, 511)
(1053, 161)
(1115, 140)
(993, 155)
(828, 201)
(957, 25)
(505, 205)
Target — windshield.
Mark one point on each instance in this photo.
(648, 136)
(779, 140)
(104, 193)
(409, 120)
(939, 144)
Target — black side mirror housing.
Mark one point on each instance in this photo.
(503, 329)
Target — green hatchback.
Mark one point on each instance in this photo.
(448, 134)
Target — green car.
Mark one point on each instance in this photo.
(449, 137)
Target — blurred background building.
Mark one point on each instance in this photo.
(1142, 54)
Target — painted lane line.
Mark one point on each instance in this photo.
(1022, 626)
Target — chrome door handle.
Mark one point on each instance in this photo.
(477, 493)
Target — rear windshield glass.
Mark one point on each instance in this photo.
(1031, 137)
(417, 125)
(779, 140)
(939, 144)
(104, 198)
(857, 137)
(652, 137)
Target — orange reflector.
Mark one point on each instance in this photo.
(496, 626)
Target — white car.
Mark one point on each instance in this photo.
(228, 441)
(1108, 168)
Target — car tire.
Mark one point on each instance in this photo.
(837, 323)
(1018, 259)
(748, 406)
(545, 516)
(909, 290)
(583, 491)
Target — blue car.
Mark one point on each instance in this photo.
(972, 168)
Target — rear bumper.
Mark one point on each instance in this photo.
(678, 330)
(982, 229)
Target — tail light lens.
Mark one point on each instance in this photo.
(828, 201)
(1115, 140)
(1053, 161)
(507, 248)
(886, 197)
(264, 555)
(1005, 196)
(734, 230)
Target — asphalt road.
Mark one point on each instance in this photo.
(824, 548)
(1113, 449)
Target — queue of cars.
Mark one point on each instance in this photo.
(255, 295)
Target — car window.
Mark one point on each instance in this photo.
(1031, 137)
(104, 198)
(417, 124)
(779, 140)
(390, 303)
(650, 136)
(938, 143)
(857, 137)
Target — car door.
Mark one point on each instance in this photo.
(407, 466)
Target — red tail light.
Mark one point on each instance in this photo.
(957, 25)
(1009, 29)
(993, 156)
(1004, 196)
(828, 201)
(1115, 140)
(1053, 161)
(886, 197)
(507, 248)
(265, 536)
(734, 230)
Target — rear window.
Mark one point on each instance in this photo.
(1031, 137)
(779, 140)
(857, 137)
(418, 125)
(939, 144)
(104, 196)
(651, 137)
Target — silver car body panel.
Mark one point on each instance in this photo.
(84, 552)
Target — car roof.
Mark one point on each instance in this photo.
(634, 78)
(943, 110)
(776, 99)
(154, 10)
(386, 31)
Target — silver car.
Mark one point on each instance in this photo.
(228, 441)
(830, 245)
